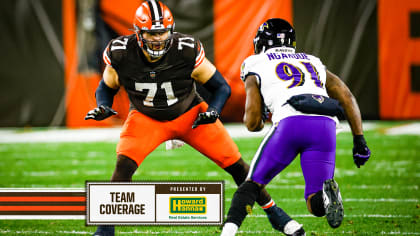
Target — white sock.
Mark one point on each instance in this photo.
(291, 227)
(229, 229)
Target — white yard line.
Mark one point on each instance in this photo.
(346, 215)
(349, 200)
(113, 134)
(81, 217)
(413, 129)
(136, 232)
(189, 232)
(297, 186)
(42, 217)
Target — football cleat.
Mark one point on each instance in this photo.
(333, 203)
(105, 230)
(277, 217)
(300, 232)
(293, 228)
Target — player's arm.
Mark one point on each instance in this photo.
(104, 94)
(211, 79)
(253, 110)
(338, 90)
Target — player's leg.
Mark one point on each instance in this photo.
(242, 202)
(239, 170)
(318, 164)
(274, 154)
(124, 169)
(277, 150)
(213, 141)
(327, 202)
(139, 137)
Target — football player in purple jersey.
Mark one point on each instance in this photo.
(302, 96)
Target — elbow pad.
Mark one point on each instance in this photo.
(219, 89)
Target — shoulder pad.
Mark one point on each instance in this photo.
(190, 47)
(248, 65)
(118, 48)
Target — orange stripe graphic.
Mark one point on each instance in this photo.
(42, 208)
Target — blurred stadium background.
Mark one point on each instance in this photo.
(52, 51)
(52, 61)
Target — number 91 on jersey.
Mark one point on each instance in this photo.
(154, 203)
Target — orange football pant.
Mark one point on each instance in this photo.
(141, 135)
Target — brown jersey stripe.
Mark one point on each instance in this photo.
(42, 199)
(68, 194)
(42, 203)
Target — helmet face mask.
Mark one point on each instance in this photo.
(154, 48)
(152, 18)
(274, 32)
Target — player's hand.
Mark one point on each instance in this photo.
(100, 113)
(361, 152)
(210, 116)
(265, 113)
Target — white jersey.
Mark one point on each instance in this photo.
(281, 74)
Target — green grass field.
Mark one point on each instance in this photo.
(381, 198)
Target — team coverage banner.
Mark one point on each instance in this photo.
(154, 203)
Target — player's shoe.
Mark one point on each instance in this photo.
(277, 217)
(300, 232)
(293, 228)
(283, 223)
(333, 203)
(105, 230)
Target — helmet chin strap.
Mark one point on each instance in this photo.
(151, 53)
(154, 54)
(263, 49)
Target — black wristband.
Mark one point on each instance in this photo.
(359, 139)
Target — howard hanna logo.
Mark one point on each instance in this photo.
(187, 205)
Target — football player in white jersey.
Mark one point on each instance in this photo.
(298, 90)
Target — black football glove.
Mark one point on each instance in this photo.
(265, 113)
(361, 152)
(210, 116)
(100, 113)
